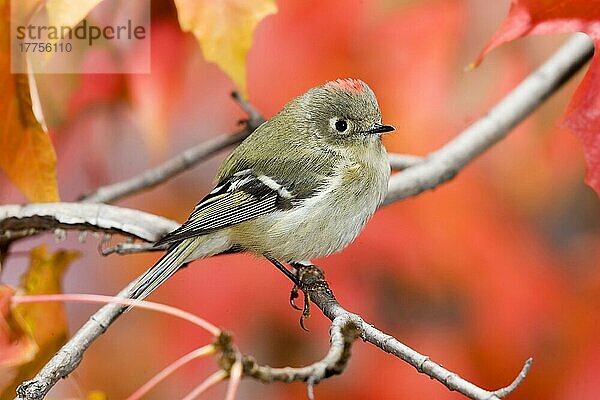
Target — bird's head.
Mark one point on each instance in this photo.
(343, 112)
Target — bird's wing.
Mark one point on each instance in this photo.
(242, 197)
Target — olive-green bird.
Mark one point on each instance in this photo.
(302, 186)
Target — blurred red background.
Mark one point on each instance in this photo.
(494, 267)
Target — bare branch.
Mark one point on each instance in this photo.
(445, 163)
(399, 162)
(154, 176)
(183, 161)
(18, 221)
(313, 284)
(343, 333)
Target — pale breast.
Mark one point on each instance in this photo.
(325, 223)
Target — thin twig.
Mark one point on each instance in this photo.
(183, 161)
(235, 377)
(505, 391)
(254, 117)
(167, 371)
(206, 384)
(100, 299)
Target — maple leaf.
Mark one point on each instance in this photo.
(42, 327)
(224, 30)
(26, 153)
(538, 17)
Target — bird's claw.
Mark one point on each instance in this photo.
(305, 311)
(293, 296)
(305, 307)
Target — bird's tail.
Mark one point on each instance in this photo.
(163, 269)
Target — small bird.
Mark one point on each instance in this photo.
(301, 186)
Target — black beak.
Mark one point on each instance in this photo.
(380, 128)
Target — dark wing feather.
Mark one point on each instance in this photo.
(240, 198)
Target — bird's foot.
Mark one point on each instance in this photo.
(309, 278)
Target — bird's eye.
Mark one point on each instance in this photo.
(341, 125)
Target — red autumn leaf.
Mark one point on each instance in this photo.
(538, 17)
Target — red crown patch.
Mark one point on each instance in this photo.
(351, 85)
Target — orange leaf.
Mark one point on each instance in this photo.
(45, 323)
(16, 345)
(26, 153)
(538, 17)
(224, 29)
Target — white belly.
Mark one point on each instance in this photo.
(319, 229)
